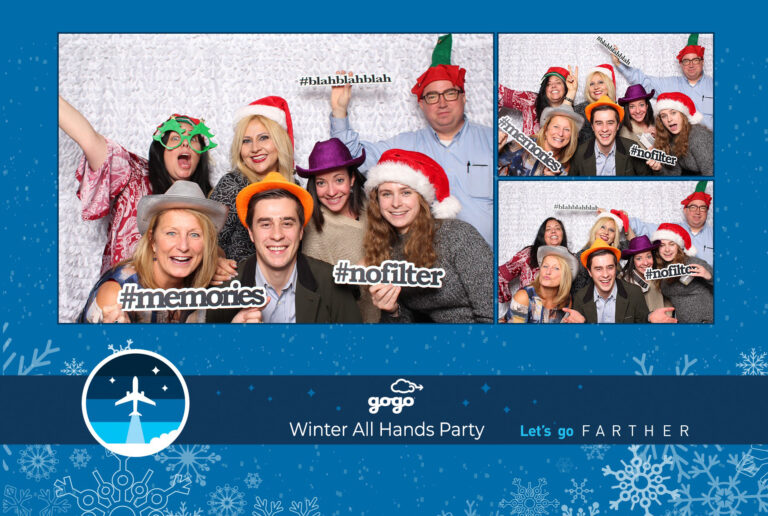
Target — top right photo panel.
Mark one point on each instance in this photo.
(606, 105)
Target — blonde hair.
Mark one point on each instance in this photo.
(144, 257)
(566, 278)
(570, 149)
(280, 138)
(608, 85)
(596, 226)
(380, 237)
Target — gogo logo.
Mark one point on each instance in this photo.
(401, 386)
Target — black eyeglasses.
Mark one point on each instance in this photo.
(695, 208)
(450, 95)
(695, 60)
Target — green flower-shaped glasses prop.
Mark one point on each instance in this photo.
(179, 134)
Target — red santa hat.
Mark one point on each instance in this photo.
(680, 102)
(698, 195)
(272, 107)
(421, 173)
(604, 69)
(441, 68)
(615, 218)
(676, 234)
(691, 48)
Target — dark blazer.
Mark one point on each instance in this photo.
(318, 298)
(630, 303)
(584, 162)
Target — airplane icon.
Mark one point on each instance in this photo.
(135, 397)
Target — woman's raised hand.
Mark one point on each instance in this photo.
(572, 83)
(80, 130)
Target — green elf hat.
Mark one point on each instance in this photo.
(441, 68)
(698, 195)
(691, 48)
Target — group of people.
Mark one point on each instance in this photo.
(593, 286)
(594, 137)
(425, 197)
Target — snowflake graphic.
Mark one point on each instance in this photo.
(14, 500)
(253, 481)
(640, 481)
(529, 501)
(53, 504)
(226, 501)
(469, 510)
(123, 494)
(564, 465)
(7, 451)
(648, 370)
(675, 452)
(753, 364)
(38, 359)
(579, 490)
(266, 508)
(725, 497)
(305, 508)
(74, 368)
(128, 343)
(189, 461)
(592, 510)
(595, 451)
(38, 461)
(80, 458)
(183, 511)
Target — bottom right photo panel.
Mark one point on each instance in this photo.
(606, 252)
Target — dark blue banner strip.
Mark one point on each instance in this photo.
(422, 410)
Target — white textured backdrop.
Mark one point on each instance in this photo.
(126, 85)
(523, 58)
(523, 206)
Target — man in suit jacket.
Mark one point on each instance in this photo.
(607, 154)
(608, 299)
(300, 289)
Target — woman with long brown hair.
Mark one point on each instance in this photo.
(113, 179)
(679, 134)
(640, 255)
(410, 218)
(691, 295)
(339, 217)
(558, 87)
(638, 124)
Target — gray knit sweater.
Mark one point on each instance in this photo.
(694, 302)
(467, 292)
(699, 158)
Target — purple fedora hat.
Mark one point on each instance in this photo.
(328, 155)
(639, 245)
(636, 92)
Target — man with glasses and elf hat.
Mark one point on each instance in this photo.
(462, 148)
(695, 209)
(697, 86)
